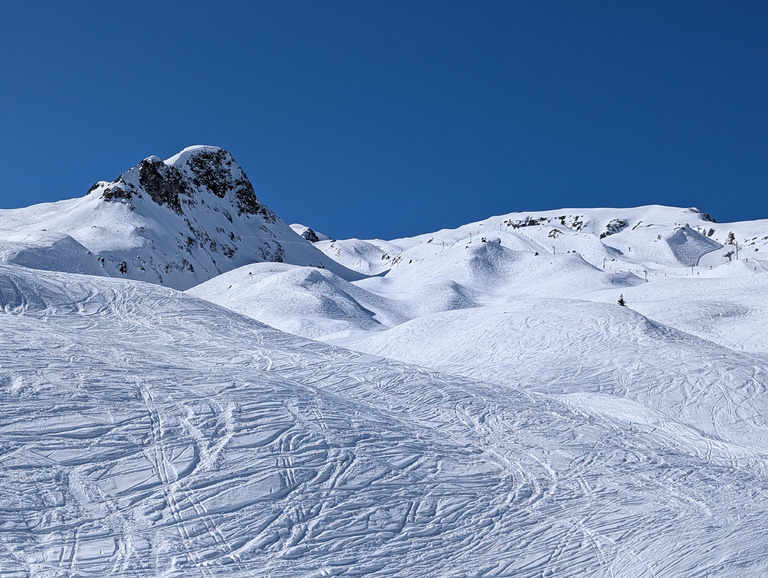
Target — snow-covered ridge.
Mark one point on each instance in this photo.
(595, 234)
(177, 222)
(309, 234)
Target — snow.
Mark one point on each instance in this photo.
(535, 313)
(309, 233)
(465, 402)
(302, 300)
(189, 234)
(165, 435)
(182, 157)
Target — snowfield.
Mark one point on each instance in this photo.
(471, 402)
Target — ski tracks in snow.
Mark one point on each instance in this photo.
(148, 433)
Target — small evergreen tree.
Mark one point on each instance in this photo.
(621, 301)
(731, 239)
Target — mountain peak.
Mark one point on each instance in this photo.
(185, 179)
(176, 222)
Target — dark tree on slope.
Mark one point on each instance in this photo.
(621, 301)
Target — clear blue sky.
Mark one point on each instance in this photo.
(390, 118)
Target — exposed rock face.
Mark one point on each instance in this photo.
(575, 222)
(613, 227)
(114, 192)
(310, 235)
(201, 171)
(212, 169)
(164, 184)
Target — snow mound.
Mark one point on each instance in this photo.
(310, 302)
(590, 347)
(49, 251)
(367, 257)
(689, 246)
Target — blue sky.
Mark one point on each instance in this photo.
(392, 118)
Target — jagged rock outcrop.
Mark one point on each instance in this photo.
(195, 171)
(613, 227)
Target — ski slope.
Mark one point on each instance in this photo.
(151, 433)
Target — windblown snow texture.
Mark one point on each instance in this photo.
(493, 411)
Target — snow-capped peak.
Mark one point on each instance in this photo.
(177, 222)
(177, 182)
(182, 156)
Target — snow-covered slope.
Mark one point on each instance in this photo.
(177, 222)
(494, 412)
(149, 433)
(654, 237)
(591, 254)
(305, 301)
(579, 347)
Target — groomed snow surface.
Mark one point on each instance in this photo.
(472, 402)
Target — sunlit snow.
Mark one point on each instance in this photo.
(465, 402)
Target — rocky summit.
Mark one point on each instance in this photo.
(197, 172)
